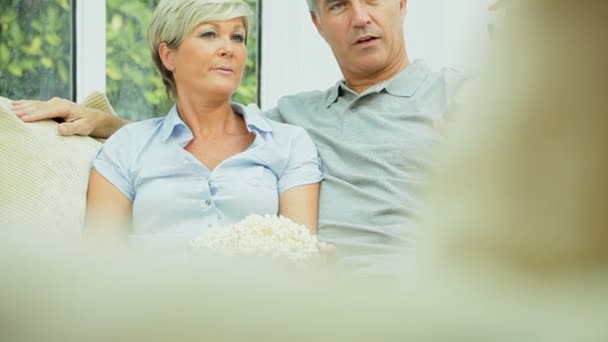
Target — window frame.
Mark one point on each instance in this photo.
(89, 50)
(90, 47)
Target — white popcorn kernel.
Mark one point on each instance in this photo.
(268, 235)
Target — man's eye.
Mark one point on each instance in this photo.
(208, 34)
(237, 37)
(336, 6)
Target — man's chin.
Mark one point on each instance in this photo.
(370, 66)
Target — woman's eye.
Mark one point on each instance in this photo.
(238, 38)
(208, 34)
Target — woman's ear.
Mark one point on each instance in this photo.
(167, 56)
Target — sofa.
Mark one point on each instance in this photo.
(44, 176)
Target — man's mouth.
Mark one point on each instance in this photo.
(365, 39)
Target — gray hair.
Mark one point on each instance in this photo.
(312, 5)
(173, 20)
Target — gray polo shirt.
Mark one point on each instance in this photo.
(376, 151)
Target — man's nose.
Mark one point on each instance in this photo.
(360, 14)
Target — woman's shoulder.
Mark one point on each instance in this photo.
(138, 129)
(143, 126)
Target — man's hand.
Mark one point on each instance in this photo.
(78, 120)
(441, 125)
(326, 248)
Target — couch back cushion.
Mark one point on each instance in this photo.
(43, 176)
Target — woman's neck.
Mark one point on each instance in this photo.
(208, 119)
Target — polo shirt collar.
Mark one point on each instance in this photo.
(404, 84)
(334, 92)
(174, 126)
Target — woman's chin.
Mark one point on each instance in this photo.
(216, 92)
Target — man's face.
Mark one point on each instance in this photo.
(366, 36)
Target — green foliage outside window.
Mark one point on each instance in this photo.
(35, 49)
(133, 85)
(35, 55)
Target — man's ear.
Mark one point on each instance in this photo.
(402, 6)
(315, 20)
(167, 56)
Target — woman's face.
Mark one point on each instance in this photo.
(211, 58)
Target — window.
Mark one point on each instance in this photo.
(36, 49)
(133, 85)
(38, 58)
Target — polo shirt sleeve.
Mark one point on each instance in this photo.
(113, 162)
(303, 165)
(273, 114)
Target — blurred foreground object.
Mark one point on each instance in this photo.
(497, 11)
(516, 229)
(515, 244)
(523, 175)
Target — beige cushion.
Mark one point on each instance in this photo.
(44, 176)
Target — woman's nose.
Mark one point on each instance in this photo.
(227, 48)
(226, 53)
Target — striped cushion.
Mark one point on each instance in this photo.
(44, 176)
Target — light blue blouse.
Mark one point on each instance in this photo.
(175, 197)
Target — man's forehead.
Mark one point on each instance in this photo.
(323, 3)
(326, 2)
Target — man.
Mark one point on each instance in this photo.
(374, 130)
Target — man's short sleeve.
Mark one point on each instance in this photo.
(113, 162)
(303, 166)
(273, 114)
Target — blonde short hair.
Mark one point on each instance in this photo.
(173, 20)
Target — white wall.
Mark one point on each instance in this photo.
(465, 33)
(90, 47)
(295, 58)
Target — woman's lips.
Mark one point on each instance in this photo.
(224, 69)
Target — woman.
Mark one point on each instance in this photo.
(209, 161)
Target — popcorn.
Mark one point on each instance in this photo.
(269, 235)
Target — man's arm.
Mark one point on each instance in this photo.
(78, 120)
